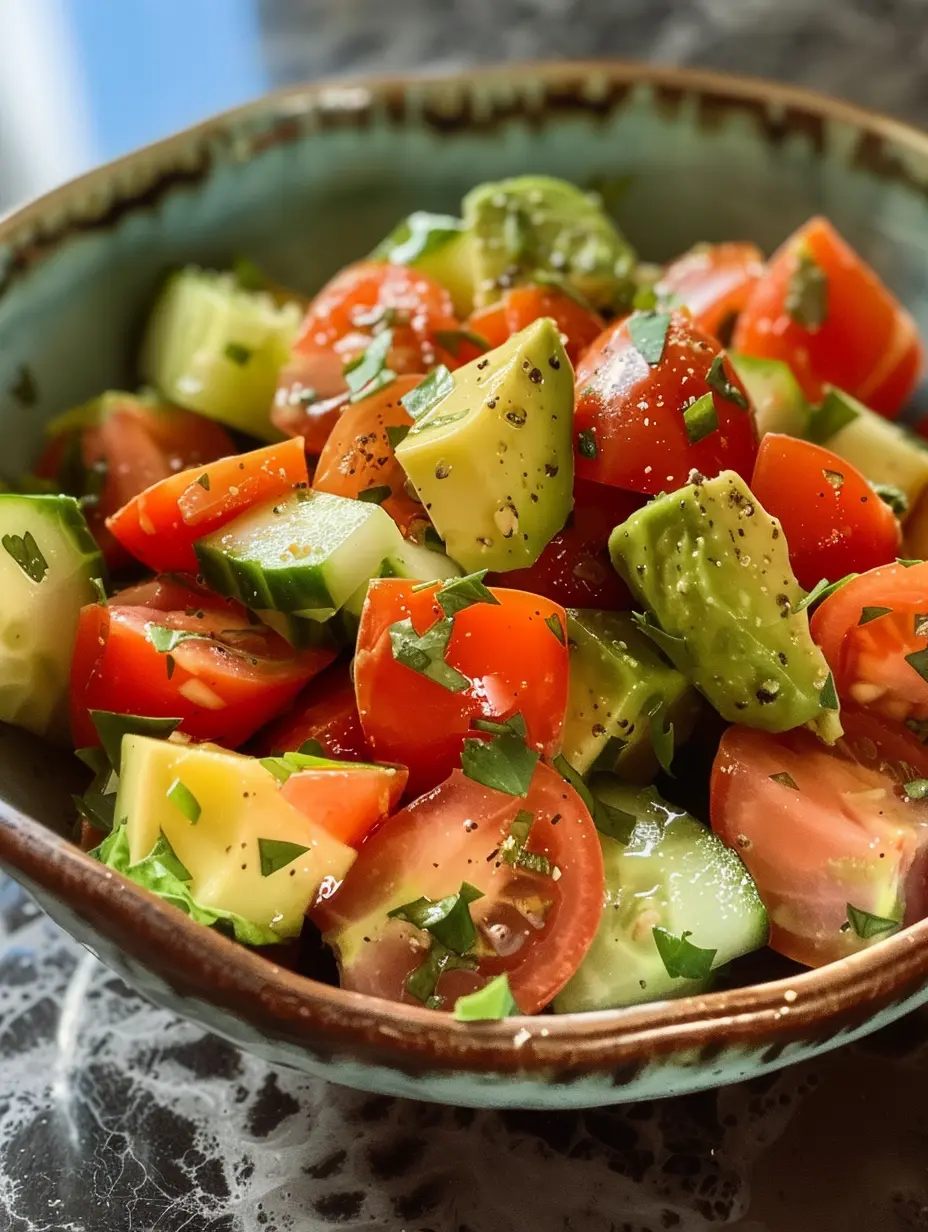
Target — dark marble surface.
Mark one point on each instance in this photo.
(117, 1117)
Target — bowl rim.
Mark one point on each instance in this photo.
(302, 1010)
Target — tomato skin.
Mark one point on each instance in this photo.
(867, 345)
(223, 690)
(358, 453)
(325, 711)
(340, 323)
(451, 835)
(635, 412)
(813, 850)
(349, 804)
(160, 525)
(713, 282)
(520, 306)
(139, 444)
(869, 660)
(832, 528)
(574, 569)
(515, 663)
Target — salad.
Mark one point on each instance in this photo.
(539, 628)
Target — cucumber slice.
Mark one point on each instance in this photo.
(411, 560)
(300, 631)
(779, 403)
(306, 553)
(214, 348)
(47, 566)
(675, 874)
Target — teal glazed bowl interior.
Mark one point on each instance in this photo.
(303, 182)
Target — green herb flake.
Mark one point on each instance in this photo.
(916, 789)
(700, 418)
(648, 332)
(488, 1004)
(368, 372)
(25, 389)
(462, 592)
(835, 413)
(312, 748)
(609, 820)
(418, 236)
(554, 624)
(452, 340)
(203, 481)
(829, 695)
(682, 959)
(723, 385)
(426, 654)
(396, 434)
(423, 981)
(785, 780)
(376, 495)
(25, 551)
(586, 444)
(821, 591)
(99, 590)
(806, 300)
(514, 726)
(181, 795)
(513, 849)
(873, 613)
(165, 855)
(503, 763)
(919, 661)
(237, 353)
(447, 919)
(111, 728)
(170, 664)
(894, 497)
(662, 737)
(428, 393)
(867, 925)
(165, 640)
(275, 854)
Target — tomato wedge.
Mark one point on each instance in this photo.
(629, 422)
(224, 680)
(535, 927)
(511, 659)
(520, 306)
(574, 569)
(833, 520)
(327, 712)
(874, 634)
(713, 282)
(348, 803)
(866, 342)
(358, 457)
(822, 828)
(159, 527)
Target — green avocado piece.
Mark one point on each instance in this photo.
(492, 460)
(673, 874)
(713, 567)
(438, 246)
(534, 228)
(618, 680)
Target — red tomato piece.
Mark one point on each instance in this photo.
(867, 344)
(359, 455)
(874, 634)
(513, 661)
(631, 412)
(844, 834)
(833, 520)
(159, 526)
(327, 712)
(357, 303)
(574, 569)
(520, 306)
(132, 445)
(713, 282)
(534, 927)
(348, 803)
(223, 685)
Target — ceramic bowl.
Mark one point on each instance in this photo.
(304, 181)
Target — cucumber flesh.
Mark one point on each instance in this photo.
(411, 560)
(306, 553)
(675, 874)
(48, 562)
(215, 348)
(777, 397)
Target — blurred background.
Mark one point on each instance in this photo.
(82, 81)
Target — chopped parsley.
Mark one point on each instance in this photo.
(503, 763)
(873, 613)
(203, 481)
(513, 848)
(867, 925)
(99, 590)
(452, 931)
(275, 854)
(829, 695)
(237, 353)
(462, 592)
(586, 444)
(452, 339)
(919, 661)
(916, 789)
(428, 393)
(165, 640)
(785, 779)
(376, 495)
(648, 332)
(368, 372)
(894, 497)
(417, 236)
(701, 418)
(425, 654)
(396, 434)
(723, 385)
(835, 413)
(682, 959)
(554, 624)
(821, 590)
(806, 300)
(27, 554)
(488, 1004)
(181, 795)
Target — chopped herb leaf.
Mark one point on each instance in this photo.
(417, 236)
(611, 821)
(112, 727)
(674, 647)
(396, 434)
(723, 385)
(829, 695)
(25, 551)
(806, 300)
(99, 590)
(513, 848)
(835, 413)
(237, 353)
(275, 854)
(488, 1004)
(894, 497)
(97, 807)
(867, 925)
(165, 640)
(423, 981)
(375, 495)
(503, 763)
(873, 613)
(785, 780)
(908, 564)
(426, 654)
(835, 478)
(700, 418)
(919, 661)
(451, 340)
(448, 919)
(25, 388)
(170, 663)
(181, 795)
(165, 855)
(682, 959)
(554, 624)
(368, 372)
(586, 444)
(203, 481)
(428, 393)
(433, 540)
(462, 592)
(821, 590)
(514, 726)
(916, 789)
(312, 748)
(648, 332)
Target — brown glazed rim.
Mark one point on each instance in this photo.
(331, 1022)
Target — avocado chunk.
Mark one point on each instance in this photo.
(438, 246)
(210, 830)
(713, 567)
(672, 874)
(776, 396)
(619, 684)
(534, 228)
(492, 460)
